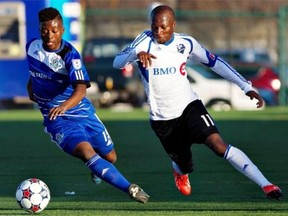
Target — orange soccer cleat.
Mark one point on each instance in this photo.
(273, 192)
(182, 183)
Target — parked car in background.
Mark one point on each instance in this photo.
(245, 55)
(216, 92)
(257, 66)
(113, 85)
(263, 77)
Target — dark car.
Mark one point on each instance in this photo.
(245, 55)
(114, 85)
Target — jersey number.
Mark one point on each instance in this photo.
(107, 137)
(207, 119)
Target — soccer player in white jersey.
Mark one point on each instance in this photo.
(177, 115)
(57, 83)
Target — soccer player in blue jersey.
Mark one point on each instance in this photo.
(57, 83)
(177, 115)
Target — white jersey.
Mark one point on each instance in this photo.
(165, 81)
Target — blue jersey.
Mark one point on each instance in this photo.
(54, 75)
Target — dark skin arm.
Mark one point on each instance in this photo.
(29, 90)
(78, 94)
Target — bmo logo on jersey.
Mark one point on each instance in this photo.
(164, 71)
(170, 70)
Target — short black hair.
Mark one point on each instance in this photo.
(161, 9)
(49, 13)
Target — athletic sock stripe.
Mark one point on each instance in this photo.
(92, 160)
(227, 151)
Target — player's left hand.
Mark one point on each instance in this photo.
(254, 94)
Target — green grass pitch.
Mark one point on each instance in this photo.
(26, 151)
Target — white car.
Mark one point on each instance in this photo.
(216, 92)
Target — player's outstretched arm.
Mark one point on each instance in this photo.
(254, 94)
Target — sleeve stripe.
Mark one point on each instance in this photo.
(79, 75)
(191, 44)
(232, 69)
(140, 38)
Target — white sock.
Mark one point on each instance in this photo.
(244, 165)
(177, 169)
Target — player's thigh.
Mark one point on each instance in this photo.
(67, 135)
(164, 130)
(170, 137)
(196, 123)
(101, 141)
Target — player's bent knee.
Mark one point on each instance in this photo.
(84, 151)
(111, 157)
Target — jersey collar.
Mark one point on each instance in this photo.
(169, 41)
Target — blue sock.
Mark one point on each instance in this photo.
(108, 172)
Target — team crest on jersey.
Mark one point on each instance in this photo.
(76, 64)
(55, 63)
(181, 48)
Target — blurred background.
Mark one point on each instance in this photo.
(250, 35)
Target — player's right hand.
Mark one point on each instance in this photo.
(145, 58)
(56, 111)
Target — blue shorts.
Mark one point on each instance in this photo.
(68, 132)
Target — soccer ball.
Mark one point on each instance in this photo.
(33, 195)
